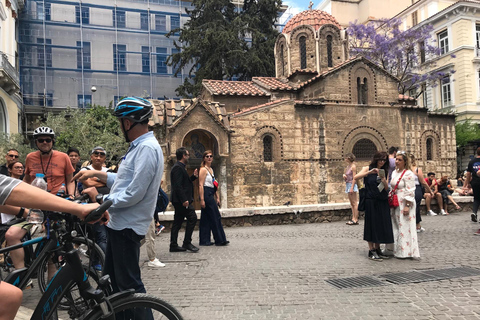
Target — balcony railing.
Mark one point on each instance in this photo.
(9, 78)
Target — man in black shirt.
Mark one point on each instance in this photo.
(11, 157)
(182, 200)
(473, 179)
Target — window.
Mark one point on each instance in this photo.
(174, 22)
(119, 57)
(162, 60)
(364, 149)
(303, 52)
(83, 13)
(282, 61)
(116, 99)
(146, 59)
(329, 51)
(414, 18)
(425, 98)
(44, 53)
(177, 69)
(43, 11)
(85, 49)
(144, 21)
(118, 18)
(84, 100)
(362, 91)
(446, 92)
(160, 22)
(421, 46)
(45, 100)
(267, 149)
(443, 41)
(429, 149)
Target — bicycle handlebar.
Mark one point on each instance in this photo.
(97, 213)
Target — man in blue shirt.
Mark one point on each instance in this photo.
(134, 191)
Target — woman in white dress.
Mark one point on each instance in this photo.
(403, 216)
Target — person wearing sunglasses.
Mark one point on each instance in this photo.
(98, 155)
(11, 157)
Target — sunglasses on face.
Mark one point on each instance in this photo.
(102, 154)
(209, 156)
(12, 156)
(44, 140)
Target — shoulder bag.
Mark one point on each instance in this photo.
(392, 196)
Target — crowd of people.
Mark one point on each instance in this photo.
(396, 222)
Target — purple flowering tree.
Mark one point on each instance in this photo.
(409, 55)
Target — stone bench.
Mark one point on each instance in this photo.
(298, 214)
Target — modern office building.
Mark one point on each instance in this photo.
(10, 101)
(79, 53)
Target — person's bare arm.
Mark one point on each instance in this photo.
(201, 180)
(86, 174)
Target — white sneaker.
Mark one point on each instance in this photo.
(443, 213)
(431, 213)
(421, 229)
(387, 253)
(156, 263)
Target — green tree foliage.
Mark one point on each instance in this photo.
(86, 129)
(466, 131)
(219, 41)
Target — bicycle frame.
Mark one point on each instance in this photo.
(20, 277)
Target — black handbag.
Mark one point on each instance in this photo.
(361, 203)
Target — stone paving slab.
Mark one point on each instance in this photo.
(279, 272)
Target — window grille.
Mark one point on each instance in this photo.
(329, 51)
(364, 149)
(162, 60)
(282, 61)
(303, 52)
(144, 21)
(119, 57)
(267, 149)
(44, 54)
(429, 149)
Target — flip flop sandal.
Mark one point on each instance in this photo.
(352, 223)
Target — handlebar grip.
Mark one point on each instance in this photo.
(97, 213)
(83, 197)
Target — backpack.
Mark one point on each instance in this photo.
(162, 201)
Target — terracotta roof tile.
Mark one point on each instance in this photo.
(260, 106)
(242, 88)
(314, 18)
(272, 83)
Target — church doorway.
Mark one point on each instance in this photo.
(197, 142)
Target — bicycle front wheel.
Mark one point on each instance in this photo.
(140, 306)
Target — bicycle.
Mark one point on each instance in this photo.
(99, 306)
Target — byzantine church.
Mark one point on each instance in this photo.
(284, 138)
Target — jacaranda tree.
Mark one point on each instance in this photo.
(410, 55)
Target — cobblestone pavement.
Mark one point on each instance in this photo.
(279, 272)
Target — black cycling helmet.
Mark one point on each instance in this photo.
(133, 108)
(43, 131)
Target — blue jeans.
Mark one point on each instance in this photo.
(121, 263)
(100, 234)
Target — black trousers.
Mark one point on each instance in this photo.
(418, 201)
(180, 214)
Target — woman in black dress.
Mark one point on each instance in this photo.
(378, 224)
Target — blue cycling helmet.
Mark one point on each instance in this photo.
(133, 108)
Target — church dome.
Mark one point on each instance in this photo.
(314, 18)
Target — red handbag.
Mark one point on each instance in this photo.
(392, 196)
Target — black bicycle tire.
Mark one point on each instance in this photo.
(139, 300)
(42, 283)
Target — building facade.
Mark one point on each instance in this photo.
(116, 47)
(11, 108)
(362, 11)
(285, 138)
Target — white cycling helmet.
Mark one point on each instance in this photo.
(43, 131)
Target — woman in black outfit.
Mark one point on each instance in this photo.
(378, 224)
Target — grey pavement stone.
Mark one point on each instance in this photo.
(279, 272)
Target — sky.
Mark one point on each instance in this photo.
(296, 6)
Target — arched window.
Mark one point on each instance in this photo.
(364, 149)
(329, 51)
(282, 61)
(303, 52)
(3, 118)
(359, 91)
(429, 149)
(365, 91)
(267, 148)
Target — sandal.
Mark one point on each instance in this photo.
(352, 223)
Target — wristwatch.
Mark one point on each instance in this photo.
(99, 198)
(20, 213)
